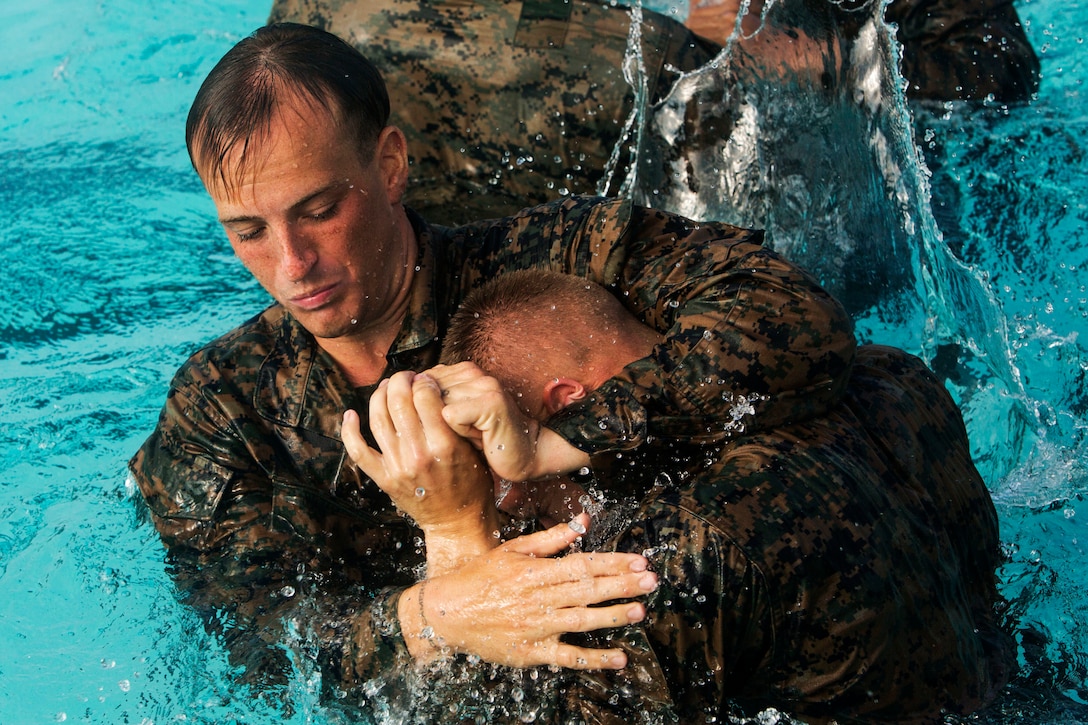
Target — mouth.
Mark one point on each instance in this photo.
(313, 299)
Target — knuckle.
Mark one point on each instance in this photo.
(578, 619)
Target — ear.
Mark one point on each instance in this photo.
(391, 151)
(561, 392)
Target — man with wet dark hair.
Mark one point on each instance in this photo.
(265, 519)
(839, 568)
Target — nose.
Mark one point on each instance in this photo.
(298, 255)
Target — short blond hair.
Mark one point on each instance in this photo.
(527, 326)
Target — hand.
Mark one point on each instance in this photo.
(479, 409)
(516, 446)
(512, 605)
(431, 474)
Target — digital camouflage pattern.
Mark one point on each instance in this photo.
(265, 519)
(843, 567)
(507, 104)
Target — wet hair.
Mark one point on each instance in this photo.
(517, 326)
(241, 95)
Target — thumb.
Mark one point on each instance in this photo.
(365, 457)
(550, 541)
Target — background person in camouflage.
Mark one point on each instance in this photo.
(507, 104)
(246, 480)
(953, 50)
(839, 568)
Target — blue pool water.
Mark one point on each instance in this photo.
(113, 270)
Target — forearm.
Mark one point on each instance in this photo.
(271, 611)
(751, 341)
(449, 547)
(555, 456)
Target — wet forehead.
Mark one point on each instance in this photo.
(299, 132)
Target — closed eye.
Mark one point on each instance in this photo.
(248, 236)
(327, 213)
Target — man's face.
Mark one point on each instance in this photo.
(320, 228)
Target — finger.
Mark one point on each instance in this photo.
(460, 421)
(450, 375)
(591, 619)
(584, 658)
(427, 398)
(403, 413)
(550, 541)
(468, 415)
(365, 457)
(570, 600)
(381, 424)
(467, 391)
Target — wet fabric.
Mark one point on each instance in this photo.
(267, 521)
(844, 567)
(507, 104)
(964, 50)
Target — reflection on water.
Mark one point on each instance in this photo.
(114, 271)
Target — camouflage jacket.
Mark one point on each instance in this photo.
(509, 103)
(843, 567)
(247, 482)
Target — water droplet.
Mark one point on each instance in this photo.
(420, 492)
(577, 526)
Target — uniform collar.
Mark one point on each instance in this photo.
(298, 383)
(420, 327)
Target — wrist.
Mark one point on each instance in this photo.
(555, 455)
(415, 624)
(450, 545)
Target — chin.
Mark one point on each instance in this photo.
(321, 324)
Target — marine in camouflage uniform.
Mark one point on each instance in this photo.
(951, 49)
(840, 567)
(964, 50)
(266, 520)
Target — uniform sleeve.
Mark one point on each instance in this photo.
(752, 341)
(239, 565)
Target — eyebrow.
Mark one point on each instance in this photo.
(297, 205)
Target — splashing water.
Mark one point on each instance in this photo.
(110, 290)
